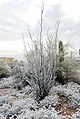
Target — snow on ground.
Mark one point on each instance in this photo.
(22, 104)
(70, 90)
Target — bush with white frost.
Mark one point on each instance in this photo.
(19, 72)
(41, 60)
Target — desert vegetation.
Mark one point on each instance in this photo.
(42, 87)
(4, 70)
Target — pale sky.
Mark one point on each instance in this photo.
(14, 14)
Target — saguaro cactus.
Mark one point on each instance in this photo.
(60, 71)
(61, 52)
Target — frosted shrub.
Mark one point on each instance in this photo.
(66, 68)
(41, 60)
(41, 56)
(18, 70)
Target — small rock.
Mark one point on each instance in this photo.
(8, 116)
(14, 117)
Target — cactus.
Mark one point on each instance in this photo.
(60, 72)
(61, 52)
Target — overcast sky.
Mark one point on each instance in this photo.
(14, 14)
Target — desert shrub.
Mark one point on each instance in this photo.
(69, 70)
(40, 71)
(4, 70)
(66, 72)
(41, 61)
(18, 70)
(66, 68)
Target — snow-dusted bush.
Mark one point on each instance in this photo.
(66, 71)
(69, 70)
(66, 66)
(41, 61)
(40, 72)
(19, 71)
